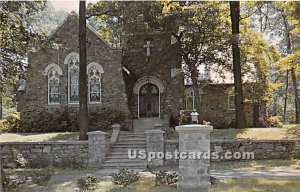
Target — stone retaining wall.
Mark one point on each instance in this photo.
(263, 149)
(40, 154)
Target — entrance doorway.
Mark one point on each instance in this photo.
(149, 101)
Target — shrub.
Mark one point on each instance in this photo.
(125, 177)
(106, 118)
(162, 177)
(185, 117)
(11, 123)
(87, 182)
(275, 121)
(58, 121)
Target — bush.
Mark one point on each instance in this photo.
(87, 182)
(162, 177)
(105, 119)
(125, 177)
(11, 123)
(59, 121)
(185, 117)
(275, 121)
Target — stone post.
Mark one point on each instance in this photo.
(115, 133)
(155, 143)
(194, 172)
(98, 146)
(158, 126)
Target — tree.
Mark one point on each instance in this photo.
(239, 99)
(83, 107)
(199, 27)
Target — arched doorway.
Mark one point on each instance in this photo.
(149, 101)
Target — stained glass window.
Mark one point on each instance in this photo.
(94, 84)
(74, 80)
(53, 86)
(231, 102)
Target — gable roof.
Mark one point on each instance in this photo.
(89, 27)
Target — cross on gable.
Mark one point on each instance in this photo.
(148, 46)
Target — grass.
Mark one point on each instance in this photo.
(148, 185)
(13, 137)
(287, 132)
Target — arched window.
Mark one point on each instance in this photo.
(190, 99)
(94, 80)
(73, 78)
(53, 86)
(53, 72)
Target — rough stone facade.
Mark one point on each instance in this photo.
(214, 108)
(125, 71)
(113, 94)
(164, 59)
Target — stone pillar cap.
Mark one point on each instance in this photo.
(116, 126)
(97, 133)
(194, 128)
(155, 131)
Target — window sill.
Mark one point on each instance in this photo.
(54, 105)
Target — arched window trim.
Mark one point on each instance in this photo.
(101, 71)
(190, 93)
(52, 65)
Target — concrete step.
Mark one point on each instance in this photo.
(125, 162)
(134, 167)
(121, 143)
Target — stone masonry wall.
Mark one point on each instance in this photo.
(214, 108)
(40, 154)
(164, 57)
(113, 86)
(263, 149)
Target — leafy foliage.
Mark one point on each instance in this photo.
(275, 121)
(125, 177)
(87, 182)
(162, 177)
(11, 123)
(106, 118)
(58, 121)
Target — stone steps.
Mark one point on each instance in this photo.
(117, 157)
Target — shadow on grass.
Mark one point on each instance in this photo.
(227, 133)
(65, 136)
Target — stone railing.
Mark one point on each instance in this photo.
(263, 149)
(56, 153)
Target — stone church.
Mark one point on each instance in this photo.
(143, 79)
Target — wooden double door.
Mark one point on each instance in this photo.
(149, 101)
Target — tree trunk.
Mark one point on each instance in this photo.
(1, 112)
(286, 96)
(83, 107)
(194, 76)
(239, 103)
(1, 175)
(297, 102)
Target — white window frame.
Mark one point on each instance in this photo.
(191, 90)
(56, 68)
(68, 58)
(99, 67)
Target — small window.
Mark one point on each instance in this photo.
(231, 102)
(190, 100)
(53, 86)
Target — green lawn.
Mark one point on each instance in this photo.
(287, 132)
(148, 185)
